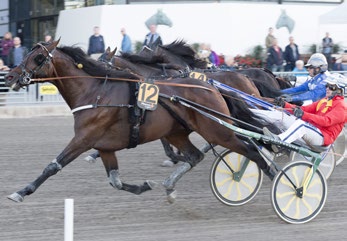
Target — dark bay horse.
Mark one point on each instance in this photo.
(267, 83)
(152, 65)
(173, 60)
(178, 53)
(99, 98)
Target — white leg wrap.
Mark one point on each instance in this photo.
(115, 179)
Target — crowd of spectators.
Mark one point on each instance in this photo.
(274, 57)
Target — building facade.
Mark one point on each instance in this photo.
(31, 20)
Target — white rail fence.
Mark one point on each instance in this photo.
(46, 93)
(42, 93)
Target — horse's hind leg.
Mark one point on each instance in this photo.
(193, 156)
(111, 165)
(174, 157)
(92, 157)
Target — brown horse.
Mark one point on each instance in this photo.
(267, 83)
(99, 99)
(163, 63)
(153, 65)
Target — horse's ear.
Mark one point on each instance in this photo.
(55, 43)
(114, 51)
(108, 50)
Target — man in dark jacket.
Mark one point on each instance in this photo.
(96, 44)
(17, 53)
(152, 39)
(291, 54)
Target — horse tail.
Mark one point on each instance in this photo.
(240, 110)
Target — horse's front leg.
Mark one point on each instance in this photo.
(111, 165)
(71, 152)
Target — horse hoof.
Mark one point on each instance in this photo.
(167, 163)
(16, 197)
(171, 195)
(152, 184)
(90, 159)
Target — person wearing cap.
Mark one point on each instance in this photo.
(314, 88)
(319, 123)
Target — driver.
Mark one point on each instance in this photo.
(314, 88)
(319, 123)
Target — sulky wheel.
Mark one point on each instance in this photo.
(327, 165)
(340, 147)
(293, 202)
(234, 179)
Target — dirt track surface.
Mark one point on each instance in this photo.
(103, 213)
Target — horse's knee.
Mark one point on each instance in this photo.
(170, 182)
(52, 168)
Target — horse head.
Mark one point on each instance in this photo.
(37, 63)
(108, 56)
(159, 18)
(285, 21)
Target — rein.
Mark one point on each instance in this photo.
(121, 79)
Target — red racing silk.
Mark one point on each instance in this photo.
(329, 116)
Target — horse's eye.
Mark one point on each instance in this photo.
(39, 59)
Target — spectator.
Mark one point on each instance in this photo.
(204, 53)
(17, 53)
(213, 57)
(3, 67)
(337, 64)
(299, 69)
(96, 45)
(126, 42)
(269, 39)
(228, 63)
(314, 88)
(328, 44)
(6, 44)
(275, 57)
(48, 38)
(152, 39)
(291, 54)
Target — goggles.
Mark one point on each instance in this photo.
(331, 87)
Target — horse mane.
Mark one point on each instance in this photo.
(284, 83)
(184, 51)
(91, 66)
(179, 48)
(139, 59)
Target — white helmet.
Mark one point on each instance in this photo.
(339, 81)
(318, 60)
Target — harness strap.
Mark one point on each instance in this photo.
(83, 107)
(136, 116)
(174, 115)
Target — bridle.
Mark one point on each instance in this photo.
(41, 60)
